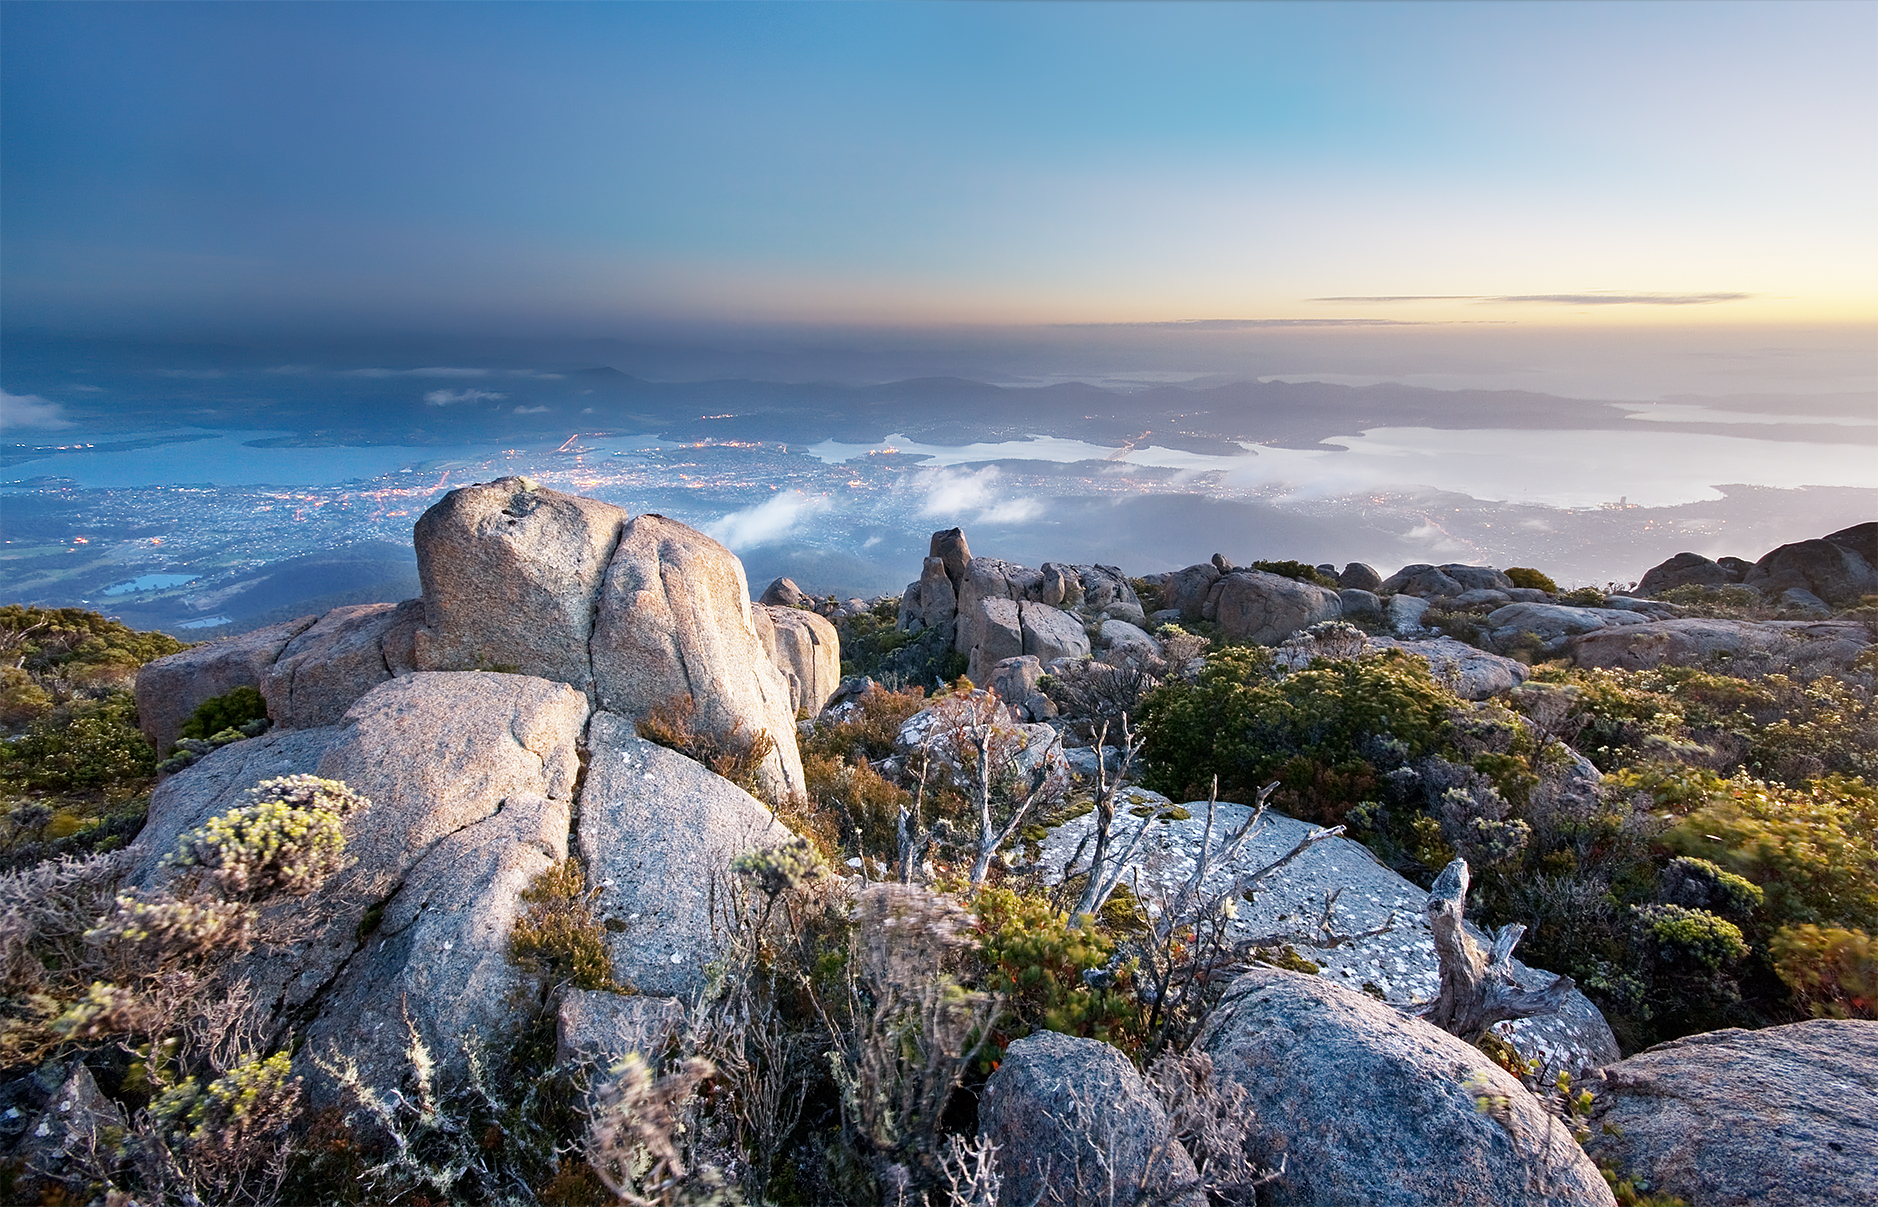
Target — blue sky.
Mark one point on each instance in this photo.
(572, 167)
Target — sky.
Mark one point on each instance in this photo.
(593, 169)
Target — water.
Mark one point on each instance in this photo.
(150, 582)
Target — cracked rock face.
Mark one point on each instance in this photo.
(343, 655)
(657, 833)
(674, 618)
(1375, 1110)
(171, 688)
(441, 756)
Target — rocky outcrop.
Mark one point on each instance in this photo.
(1051, 633)
(1685, 570)
(1553, 625)
(169, 689)
(1439, 582)
(1373, 1109)
(1400, 964)
(657, 832)
(1736, 1118)
(1360, 604)
(783, 593)
(1252, 605)
(343, 655)
(1833, 644)
(1076, 1126)
(1403, 614)
(807, 651)
(1360, 576)
(510, 574)
(997, 630)
(938, 595)
(1187, 590)
(1120, 642)
(674, 619)
(1838, 568)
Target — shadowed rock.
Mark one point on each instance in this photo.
(1251, 605)
(170, 689)
(807, 652)
(1076, 1126)
(324, 670)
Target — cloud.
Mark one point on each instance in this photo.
(432, 371)
(87, 389)
(29, 410)
(1606, 298)
(768, 521)
(443, 398)
(518, 410)
(289, 370)
(970, 496)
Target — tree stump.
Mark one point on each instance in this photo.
(1477, 987)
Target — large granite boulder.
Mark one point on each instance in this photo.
(1360, 576)
(1403, 613)
(808, 653)
(1477, 578)
(1691, 641)
(343, 655)
(1421, 580)
(950, 547)
(1735, 1118)
(436, 968)
(440, 756)
(1400, 964)
(1076, 1126)
(1838, 568)
(171, 688)
(1123, 642)
(674, 619)
(1187, 590)
(783, 593)
(1684, 570)
(1051, 633)
(510, 573)
(1252, 605)
(998, 633)
(1372, 1109)
(657, 832)
(1360, 604)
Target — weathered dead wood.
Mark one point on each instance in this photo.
(1477, 987)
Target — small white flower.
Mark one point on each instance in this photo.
(678, 957)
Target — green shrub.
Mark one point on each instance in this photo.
(230, 711)
(1530, 579)
(557, 937)
(1809, 849)
(1309, 728)
(1692, 936)
(89, 745)
(287, 839)
(1035, 955)
(1584, 597)
(1832, 971)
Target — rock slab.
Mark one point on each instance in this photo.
(1737, 1118)
(170, 689)
(1371, 1109)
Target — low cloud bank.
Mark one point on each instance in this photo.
(29, 410)
(768, 521)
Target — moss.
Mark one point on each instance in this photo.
(1287, 958)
